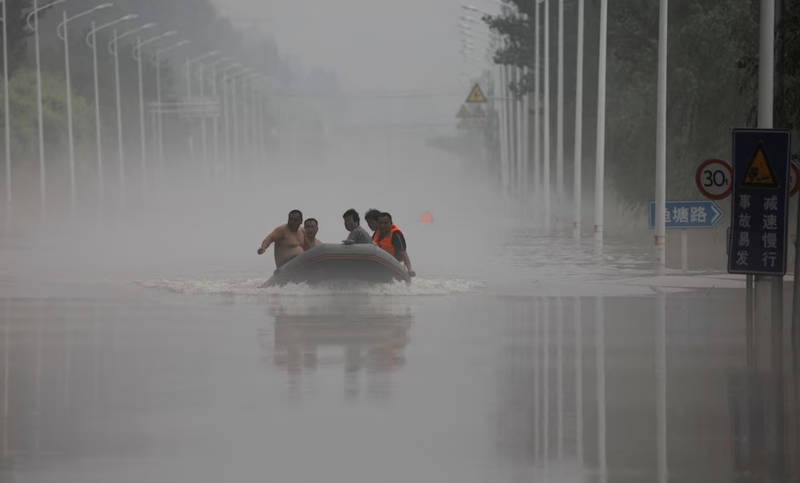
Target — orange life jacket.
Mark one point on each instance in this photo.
(386, 242)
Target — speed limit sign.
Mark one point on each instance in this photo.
(713, 179)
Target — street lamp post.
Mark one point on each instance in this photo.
(189, 63)
(234, 113)
(214, 121)
(137, 56)
(6, 112)
(226, 117)
(91, 41)
(113, 49)
(35, 28)
(159, 120)
(202, 78)
(64, 35)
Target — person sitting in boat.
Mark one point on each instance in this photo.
(352, 223)
(391, 239)
(290, 240)
(312, 227)
(371, 217)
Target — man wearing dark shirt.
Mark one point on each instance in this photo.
(391, 239)
(352, 224)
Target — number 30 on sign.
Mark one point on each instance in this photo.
(713, 179)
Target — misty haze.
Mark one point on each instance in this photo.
(358, 241)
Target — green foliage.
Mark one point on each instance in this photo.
(25, 120)
(711, 47)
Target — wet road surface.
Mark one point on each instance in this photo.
(147, 385)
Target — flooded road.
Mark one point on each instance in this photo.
(145, 384)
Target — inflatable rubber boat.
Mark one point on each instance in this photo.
(340, 262)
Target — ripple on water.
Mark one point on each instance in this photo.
(212, 286)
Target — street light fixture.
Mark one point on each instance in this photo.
(62, 30)
(113, 49)
(91, 41)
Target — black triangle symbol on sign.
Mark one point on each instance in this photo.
(760, 173)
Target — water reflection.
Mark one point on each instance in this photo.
(365, 336)
(619, 389)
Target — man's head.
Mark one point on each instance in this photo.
(351, 219)
(295, 220)
(312, 227)
(385, 223)
(372, 218)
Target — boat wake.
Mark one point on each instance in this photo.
(250, 287)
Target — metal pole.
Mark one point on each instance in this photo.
(520, 135)
(72, 182)
(504, 155)
(577, 177)
(526, 119)
(119, 124)
(160, 126)
(142, 127)
(42, 174)
(537, 108)
(547, 207)
(766, 72)
(661, 140)
(560, 119)
(601, 131)
(235, 98)
(215, 126)
(97, 121)
(203, 142)
(226, 121)
(7, 114)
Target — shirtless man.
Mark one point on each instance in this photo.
(290, 240)
(312, 227)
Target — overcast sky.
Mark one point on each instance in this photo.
(382, 45)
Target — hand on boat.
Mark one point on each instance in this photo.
(412, 273)
(261, 251)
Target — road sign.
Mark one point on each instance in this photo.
(463, 113)
(713, 179)
(794, 179)
(759, 215)
(688, 214)
(476, 95)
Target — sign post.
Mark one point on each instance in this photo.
(759, 209)
(686, 215)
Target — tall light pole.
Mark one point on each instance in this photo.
(160, 126)
(560, 119)
(63, 33)
(234, 140)
(35, 27)
(661, 140)
(7, 115)
(577, 180)
(547, 205)
(91, 41)
(226, 117)
(189, 63)
(202, 78)
(214, 120)
(599, 177)
(113, 49)
(137, 56)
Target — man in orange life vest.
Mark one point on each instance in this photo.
(391, 239)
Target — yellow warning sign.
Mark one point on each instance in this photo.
(476, 95)
(760, 173)
(463, 113)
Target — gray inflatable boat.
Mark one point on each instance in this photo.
(340, 262)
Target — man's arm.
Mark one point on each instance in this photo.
(270, 239)
(306, 244)
(399, 243)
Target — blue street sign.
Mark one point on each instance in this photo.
(688, 214)
(760, 197)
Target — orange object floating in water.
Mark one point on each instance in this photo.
(426, 217)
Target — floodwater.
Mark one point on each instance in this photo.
(145, 352)
(206, 380)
